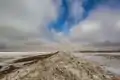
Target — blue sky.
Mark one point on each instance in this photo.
(47, 21)
(64, 13)
(65, 10)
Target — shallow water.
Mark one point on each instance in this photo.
(110, 64)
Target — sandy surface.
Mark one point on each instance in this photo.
(109, 63)
(54, 66)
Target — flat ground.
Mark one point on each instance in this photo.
(109, 61)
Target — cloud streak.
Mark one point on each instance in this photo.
(98, 22)
(101, 25)
(59, 22)
(71, 12)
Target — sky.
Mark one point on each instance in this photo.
(59, 21)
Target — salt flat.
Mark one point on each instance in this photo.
(111, 64)
(110, 61)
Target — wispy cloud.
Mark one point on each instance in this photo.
(59, 22)
(101, 25)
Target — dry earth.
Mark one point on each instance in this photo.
(54, 66)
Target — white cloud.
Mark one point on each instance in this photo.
(25, 19)
(102, 24)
